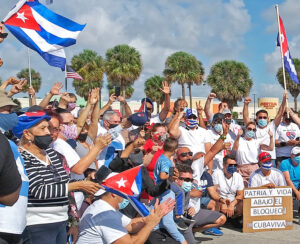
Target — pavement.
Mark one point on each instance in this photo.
(234, 236)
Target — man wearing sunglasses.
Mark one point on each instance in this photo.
(263, 122)
(266, 175)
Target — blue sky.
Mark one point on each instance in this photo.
(212, 30)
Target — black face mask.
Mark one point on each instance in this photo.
(188, 162)
(42, 142)
(228, 121)
(82, 136)
(111, 126)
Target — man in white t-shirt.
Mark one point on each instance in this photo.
(192, 136)
(266, 175)
(263, 123)
(230, 187)
(287, 136)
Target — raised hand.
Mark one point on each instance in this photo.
(31, 91)
(13, 80)
(112, 98)
(103, 141)
(93, 97)
(17, 88)
(225, 128)
(138, 142)
(166, 88)
(1, 62)
(121, 99)
(270, 133)
(247, 100)
(199, 108)
(240, 133)
(55, 90)
(1, 31)
(286, 95)
(212, 95)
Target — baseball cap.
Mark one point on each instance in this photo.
(226, 111)
(148, 100)
(5, 100)
(191, 111)
(218, 116)
(28, 120)
(138, 119)
(264, 157)
(295, 150)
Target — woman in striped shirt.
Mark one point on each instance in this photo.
(49, 185)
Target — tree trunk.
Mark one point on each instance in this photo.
(190, 93)
(157, 107)
(122, 107)
(295, 104)
(183, 91)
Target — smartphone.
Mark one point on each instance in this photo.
(102, 173)
(171, 171)
(297, 139)
(3, 35)
(117, 91)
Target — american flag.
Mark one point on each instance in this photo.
(70, 73)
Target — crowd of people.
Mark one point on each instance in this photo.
(193, 171)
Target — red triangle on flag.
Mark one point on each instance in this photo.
(123, 181)
(24, 19)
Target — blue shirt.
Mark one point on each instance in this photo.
(294, 171)
(163, 164)
(205, 181)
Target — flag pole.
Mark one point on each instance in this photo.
(29, 72)
(66, 79)
(282, 61)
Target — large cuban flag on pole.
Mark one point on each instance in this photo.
(42, 30)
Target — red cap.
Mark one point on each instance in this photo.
(264, 157)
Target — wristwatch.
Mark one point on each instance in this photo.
(223, 137)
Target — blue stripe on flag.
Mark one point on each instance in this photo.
(139, 180)
(288, 64)
(27, 41)
(55, 18)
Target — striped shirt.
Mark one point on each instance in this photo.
(48, 188)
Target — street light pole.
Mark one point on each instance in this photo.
(254, 105)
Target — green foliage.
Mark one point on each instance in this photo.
(16, 101)
(91, 67)
(152, 89)
(230, 80)
(128, 91)
(291, 86)
(235, 115)
(35, 77)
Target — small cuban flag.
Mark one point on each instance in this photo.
(288, 61)
(42, 30)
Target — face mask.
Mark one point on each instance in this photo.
(250, 133)
(266, 166)
(262, 122)
(42, 142)
(123, 204)
(82, 136)
(191, 123)
(8, 121)
(218, 128)
(228, 121)
(70, 131)
(187, 186)
(297, 159)
(71, 106)
(188, 161)
(231, 169)
(111, 126)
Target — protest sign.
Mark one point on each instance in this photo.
(267, 209)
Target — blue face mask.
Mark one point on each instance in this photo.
(191, 123)
(250, 133)
(266, 166)
(123, 204)
(218, 128)
(187, 186)
(8, 121)
(262, 122)
(231, 169)
(297, 160)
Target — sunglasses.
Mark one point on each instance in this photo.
(192, 117)
(149, 109)
(186, 153)
(186, 179)
(55, 173)
(251, 129)
(266, 157)
(262, 117)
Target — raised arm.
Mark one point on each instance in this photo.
(128, 111)
(32, 97)
(200, 117)
(55, 90)
(281, 109)
(166, 89)
(112, 98)
(17, 88)
(207, 111)
(294, 116)
(246, 118)
(237, 141)
(93, 128)
(174, 125)
(10, 81)
(269, 147)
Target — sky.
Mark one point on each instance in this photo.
(211, 30)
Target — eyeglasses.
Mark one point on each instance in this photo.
(55, 129)
(262, 117)
(192, 117)
(55, 173)
(251, 129)
(149, 109)
(186, 179)
(186, 153)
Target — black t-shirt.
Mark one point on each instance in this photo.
(10, 179)
(205, 181)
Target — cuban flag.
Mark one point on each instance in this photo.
(288, 61)
(42, 30)
(128, 184)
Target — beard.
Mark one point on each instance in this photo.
(187, 162)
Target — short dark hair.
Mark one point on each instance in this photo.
(177, 101)
(155, 126)
(72, 95)
(184, 168)
(261, 111)
(230, 156)
(170, 145)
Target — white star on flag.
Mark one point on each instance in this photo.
(121, 183)
(21, 16)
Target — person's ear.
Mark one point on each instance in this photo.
(28, 135)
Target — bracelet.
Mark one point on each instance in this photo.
(222, 137)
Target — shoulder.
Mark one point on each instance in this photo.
(276, 171)
(255, 173)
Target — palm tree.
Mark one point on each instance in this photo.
(153, 90)
(184, 68)
(128, 91)
(291, 86)
(123, 66)
(35, 79)
(91, 67)
(230, 80)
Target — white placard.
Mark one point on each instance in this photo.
(261, 202)
(267, 211)
(268, 224)
(275, 192)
